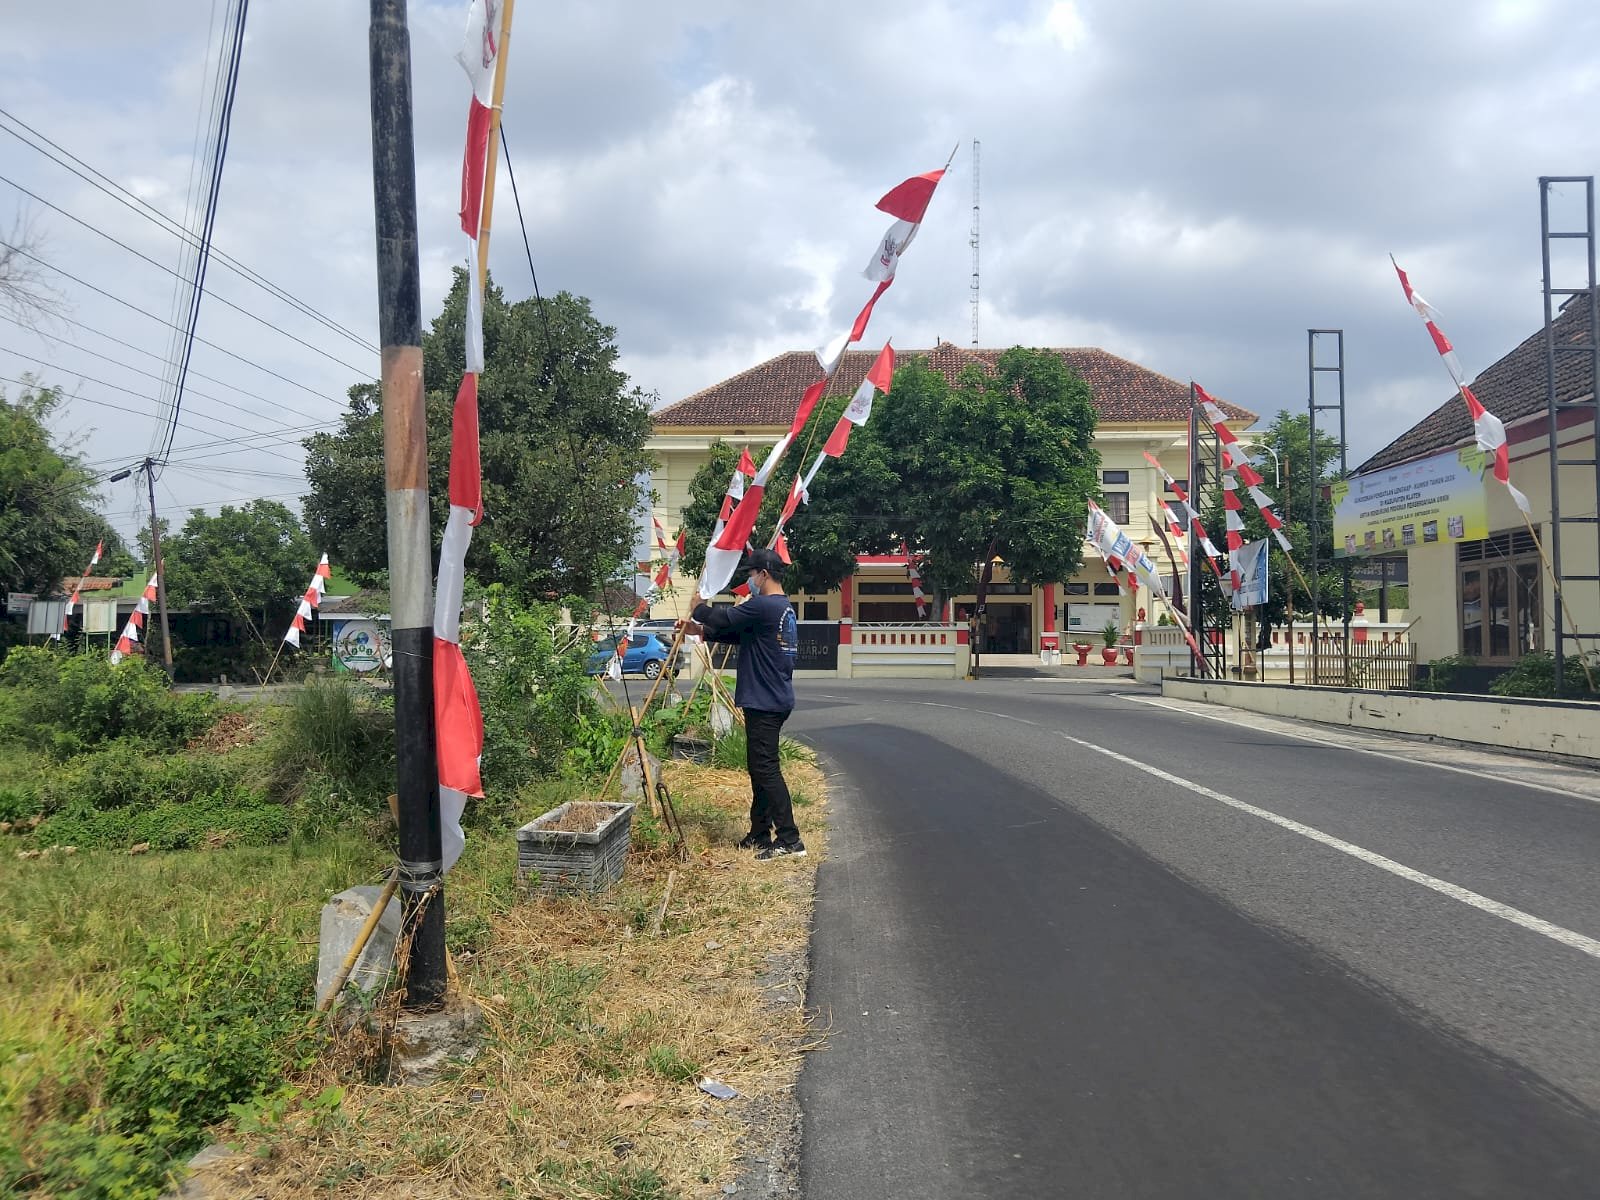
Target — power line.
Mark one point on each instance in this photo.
(251, 412)
(155, 216)
(147, 353)
(168, 324)
(137, 395)
(161, 266)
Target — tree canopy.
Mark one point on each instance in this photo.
(993, 465)
(250, 561)
(562, 440)
(48, 523)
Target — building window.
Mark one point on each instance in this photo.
(864, 588)
(1107, 589)
(1500, 592)
(1076, 589)
(814, 610)
(1182, 484)
(1116, 507)
(1114, 477)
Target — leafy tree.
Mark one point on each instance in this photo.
(562, 440)
(48, 526)
(994, 465)
(252, 561)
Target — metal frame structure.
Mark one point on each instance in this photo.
(1555, 409)
(1313, 370)
(1205, 480)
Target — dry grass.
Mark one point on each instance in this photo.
(596, 1033)
(581, 817)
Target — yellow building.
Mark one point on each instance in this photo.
(1489, 596)
(1139, 411)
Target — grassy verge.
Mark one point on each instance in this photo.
(144, 998)
(596, 1033)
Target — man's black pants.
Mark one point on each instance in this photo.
(771, 811)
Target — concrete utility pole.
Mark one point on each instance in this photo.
(405, 465)
(149, 469)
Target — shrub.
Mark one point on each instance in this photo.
(196, 1035)
(66, 703)
(1534, 676)
(532, 687)
(1444, 674)
(337, 739)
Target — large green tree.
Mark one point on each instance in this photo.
(562, 440)
(253, 561)
(994, 465)
(48, 523)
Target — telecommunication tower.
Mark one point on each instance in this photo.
(974, 243)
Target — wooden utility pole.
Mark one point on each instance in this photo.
(405, 464)
(149, 469)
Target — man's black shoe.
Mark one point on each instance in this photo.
(779, 850)
(754, 841)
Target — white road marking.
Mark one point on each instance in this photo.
(1232, 720)
(1505, 912)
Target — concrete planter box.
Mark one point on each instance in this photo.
(693, 749)
(551, 861)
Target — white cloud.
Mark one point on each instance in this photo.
(1188, 186)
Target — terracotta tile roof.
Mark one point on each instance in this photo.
(766, 394)
(1512, 388)
(91, 583)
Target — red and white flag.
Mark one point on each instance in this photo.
(72, 600)
(130, 631)
(1488, 430)
(308, 602)
(1240, 469)
(723, 554)
(479, 51)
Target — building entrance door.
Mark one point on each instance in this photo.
(1009, 628)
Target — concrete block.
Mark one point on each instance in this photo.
(633, 786)
(342, 919)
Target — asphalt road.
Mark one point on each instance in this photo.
(1071, 943)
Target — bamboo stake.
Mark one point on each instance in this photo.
(362, 938)
(661, 911)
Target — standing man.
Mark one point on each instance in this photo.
(764, 629)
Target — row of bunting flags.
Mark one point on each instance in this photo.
(309, 602)
(72, 601)
(907, 203)
(136, 620)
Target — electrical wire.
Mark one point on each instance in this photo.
(161, 220)
(160, 266)
(168, 324)
(116, 362)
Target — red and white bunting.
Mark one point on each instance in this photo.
(1488, 430)
(309, 602)
(906, 202)
(130, 631)
(1213, 555)
(458, 720)
(72, 600)
(747, 465)
(724, 552)
(915, 576)
(1243, 470)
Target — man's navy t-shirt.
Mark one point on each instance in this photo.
(768, 638)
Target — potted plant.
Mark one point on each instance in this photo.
(1083, 649)
(1110, 634)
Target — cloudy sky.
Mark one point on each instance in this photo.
(1189, 186)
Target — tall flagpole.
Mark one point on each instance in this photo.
(405, 464)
